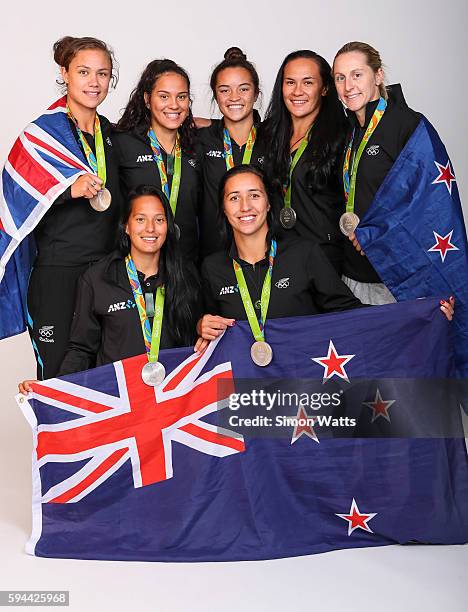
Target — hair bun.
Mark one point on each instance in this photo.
(234, 53)
(61, 48)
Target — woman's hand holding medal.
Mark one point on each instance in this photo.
(86, 186)
(356, 244)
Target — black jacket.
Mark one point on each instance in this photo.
(210, 148)
(317, 210)
(137, 167)
(106, 325)
(303, 283)
(72, 233)
(386, 143)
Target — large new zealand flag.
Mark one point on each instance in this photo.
(126, 471)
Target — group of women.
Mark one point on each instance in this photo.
(192, 228)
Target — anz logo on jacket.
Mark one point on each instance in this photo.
(121, 306)
(144, 158)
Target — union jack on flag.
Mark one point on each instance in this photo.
(137, 424)
(43, 162)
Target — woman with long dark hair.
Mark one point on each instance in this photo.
(235, 139)
(255, 276)
(141, 297)
(304, 128)
(155, 144)
(80, 227)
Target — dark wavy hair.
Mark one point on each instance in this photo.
(181, 288)
(234, 57)
(327, 134)
(224, 226)
(137, 115)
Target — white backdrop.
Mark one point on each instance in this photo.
(422, 42)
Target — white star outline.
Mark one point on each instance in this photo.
(354, 508)
(331, 348)
(436, 249)
(302, 413)
(379, 400)
(439, 178)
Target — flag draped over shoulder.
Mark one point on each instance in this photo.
(414, 232)
(125, 471)
(44, 161)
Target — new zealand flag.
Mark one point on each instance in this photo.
(414, 232)
(130, 472)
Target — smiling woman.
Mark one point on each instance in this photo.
(155, 144)
(141, 297)
(254, 276)
(304, 125)
(235, 139)
(81, 225)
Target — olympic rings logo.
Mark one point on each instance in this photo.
(283, 283)
(46, 331)
(373, 150)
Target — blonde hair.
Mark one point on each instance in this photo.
(372, 58)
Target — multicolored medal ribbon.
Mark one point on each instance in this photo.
(102, 200)
(287, 213)
(349, 220)
(153, 372)
(249, 145)
(260, 351)
(173, 194)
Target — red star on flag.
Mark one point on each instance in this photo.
(446, 175)
(356, 519)
(333, 363)
(379, 407)
(443, 245)
(304, 425)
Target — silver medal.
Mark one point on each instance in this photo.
(153, 373)
(177, 231)
(261, 353)
(348, 223)
(101, 201)
(287, 217)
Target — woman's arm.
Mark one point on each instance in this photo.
(329, 292)
(85, 335)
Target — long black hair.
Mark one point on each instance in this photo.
(224, 226)
(327, 134)
(182, 288)
(137, 115)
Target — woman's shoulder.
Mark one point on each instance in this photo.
(101, 270)
(399, 110)
(205, 135)
(215, 261)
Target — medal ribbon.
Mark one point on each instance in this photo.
(249, 145)
(158, 158)
(152, 337)
(350, 184)
(98, 161)
(257, 326)
(293, 164)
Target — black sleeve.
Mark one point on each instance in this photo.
(328, 290)
(116, 141)
(197, 299)
(63, 197)
(85, 336)
(210, 305)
